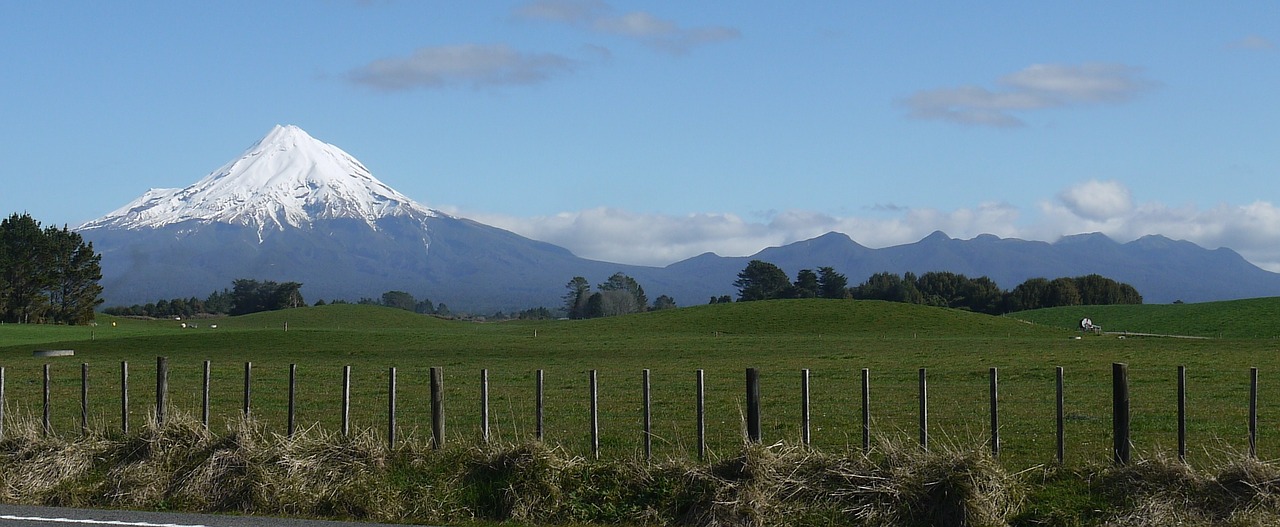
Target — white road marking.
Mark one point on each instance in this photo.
(92, 522)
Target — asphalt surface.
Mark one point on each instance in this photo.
(26, 516)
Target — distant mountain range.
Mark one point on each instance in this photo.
(292, 208)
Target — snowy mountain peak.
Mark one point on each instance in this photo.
(287, 178)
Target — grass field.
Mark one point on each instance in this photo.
(833, 339)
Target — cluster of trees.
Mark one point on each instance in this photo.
(619, 295)
(252, 296)
(217, 303)
(46, 274)
(984, 296)
(942, 289)
(762, 280)
(245, 296)
(1088, 290)
(406, 301)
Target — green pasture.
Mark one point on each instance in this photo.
(833, 339)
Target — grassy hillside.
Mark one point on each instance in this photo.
(1257, 318)
(833, 339)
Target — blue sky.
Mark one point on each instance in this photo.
(651, 132)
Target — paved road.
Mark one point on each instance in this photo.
(24, 516)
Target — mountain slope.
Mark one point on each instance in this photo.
(292, 208)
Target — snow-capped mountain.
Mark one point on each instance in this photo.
(287, 178)
(295, 209)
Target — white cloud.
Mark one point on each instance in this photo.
(1036, 87)
(474, 65)
(1253, 42)
(597, 16)
(615, 235)
(578, 12)
(1097, 200)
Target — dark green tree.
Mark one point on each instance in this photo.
(890, 287)
(984, 296)
(25, 260)
(1062, 292)
(621, 294)
(942, 289)
(663, 302)
(424, 307)
(832, 284)
(575, 299)
(594, 307)
(252, 296)
(74, 272)
(761, 280)
(806, 284)
(1031, 294)
(399, 300)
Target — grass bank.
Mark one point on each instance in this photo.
(832, 339)
(247, 469)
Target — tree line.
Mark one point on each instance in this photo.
(619, 295)
(762, 280)
(46, 274)
(244, 297)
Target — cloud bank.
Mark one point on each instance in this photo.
(1254, 42)
(473, 65)
(599, 17)
(615, 235)
(1037, 87)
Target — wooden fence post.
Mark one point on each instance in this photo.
(1061, 420)
(1120, 411)
(1253, 412)
(248, 370)
(346, 400)
(1182, 414)
(538, 430)
(484, 405)
(48, 427)
(437, 408)
(162, 388)
(702, 416)
(391, 408)
(84, 398)
(124, 397)
(595, 415)
(204, 397)
(804, 407)
(293, 385)
(924, 411)
(866, 410)
(995, 413)
(648, 415)
(753, 405)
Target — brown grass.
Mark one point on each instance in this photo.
(315, 473)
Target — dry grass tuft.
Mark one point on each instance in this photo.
(521, 482)
(1162, 491)
(248, 469)
(145, 464)
(947, 485)
(48, 470)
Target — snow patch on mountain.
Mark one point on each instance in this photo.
(287, 178)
